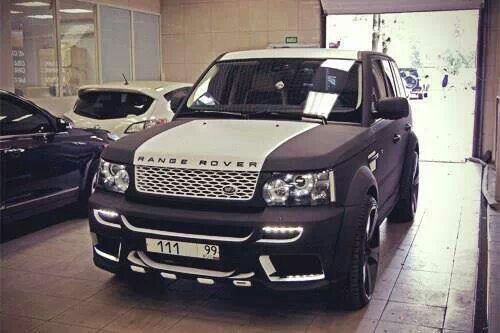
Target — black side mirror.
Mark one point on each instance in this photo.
(62, 125)
(392, 108)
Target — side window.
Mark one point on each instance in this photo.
(399, 80)
(389, 78)
(379, 88)
(17, 117)
(177, 93)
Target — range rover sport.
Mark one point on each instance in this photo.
(277, 170)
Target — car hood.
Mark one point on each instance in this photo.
(240, 145)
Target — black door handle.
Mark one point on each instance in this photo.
(407, 127)
(396, 138)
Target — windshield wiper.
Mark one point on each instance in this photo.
(227, 113)
(289, 113)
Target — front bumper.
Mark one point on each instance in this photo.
(248, 256)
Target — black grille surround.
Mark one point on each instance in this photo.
(218, 230)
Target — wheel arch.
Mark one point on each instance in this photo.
(362, 184)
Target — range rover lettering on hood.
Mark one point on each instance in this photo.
(182, 161)
(218, 144)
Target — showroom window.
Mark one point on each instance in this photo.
(116, 44)
(78, 45)
(146, 46)
(34, 51)
(57, 51)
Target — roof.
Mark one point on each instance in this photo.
(319, 53)
(152, 88)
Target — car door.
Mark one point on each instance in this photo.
(33, 163)
(390, 137)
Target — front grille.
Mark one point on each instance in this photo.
(194, 183)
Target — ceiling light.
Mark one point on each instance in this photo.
(75, 11)
(32, 4)
(15, 12)
(41, 17)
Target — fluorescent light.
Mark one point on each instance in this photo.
(41, 17)
(32, 4)
(75, 11)
(15, 12)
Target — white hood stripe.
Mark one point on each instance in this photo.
(218, 144)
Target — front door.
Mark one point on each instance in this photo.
(390, 138)
(31, 161)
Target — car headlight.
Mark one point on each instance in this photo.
(142, 125)
(300, 189)
(114, 177)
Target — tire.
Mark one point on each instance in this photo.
(406, 207)
(358, 288)
(88, 185)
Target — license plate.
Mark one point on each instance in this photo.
(185, 249)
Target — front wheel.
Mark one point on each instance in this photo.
(406, 207)
(359, 286)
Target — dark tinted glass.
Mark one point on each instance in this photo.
(17, 117)
(285, 82)
(111, 104)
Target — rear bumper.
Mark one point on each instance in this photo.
(248, 256)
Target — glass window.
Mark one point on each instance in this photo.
(177, 93)
(399, 81)
(389, 78)
(21, 118)
(330, 88)
(78, 45)
(116, 57)
(146, 46)
(379, 84)
(111, 104)
(34, 48)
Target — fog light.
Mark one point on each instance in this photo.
(275, 234)
(282, 230)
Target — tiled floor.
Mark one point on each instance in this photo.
(426, 282)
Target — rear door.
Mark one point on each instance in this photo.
(389, 137)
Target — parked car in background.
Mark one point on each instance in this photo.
(417, 87)
(126, 107)
(277, 170)
(45, 164)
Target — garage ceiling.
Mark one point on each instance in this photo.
(391, 6)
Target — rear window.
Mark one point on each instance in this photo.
(111, 104)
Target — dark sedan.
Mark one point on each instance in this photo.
(45, 164)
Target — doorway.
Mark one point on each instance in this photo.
(436, 53)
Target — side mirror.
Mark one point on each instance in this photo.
(62, 125)
(392, 108)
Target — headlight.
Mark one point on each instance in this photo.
(301, 189)
(142, 125)
(114, 177)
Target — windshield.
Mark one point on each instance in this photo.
(330, 88)
(111, 104)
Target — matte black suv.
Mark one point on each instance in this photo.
(277, 170)
(44, 163)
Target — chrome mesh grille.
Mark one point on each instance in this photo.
(194, 183)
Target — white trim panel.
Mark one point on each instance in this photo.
(331, 7)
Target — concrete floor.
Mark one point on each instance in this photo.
(426, 282)
(444, 123)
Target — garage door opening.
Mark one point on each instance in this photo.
(436, 53)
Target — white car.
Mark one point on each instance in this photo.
(126, 107)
